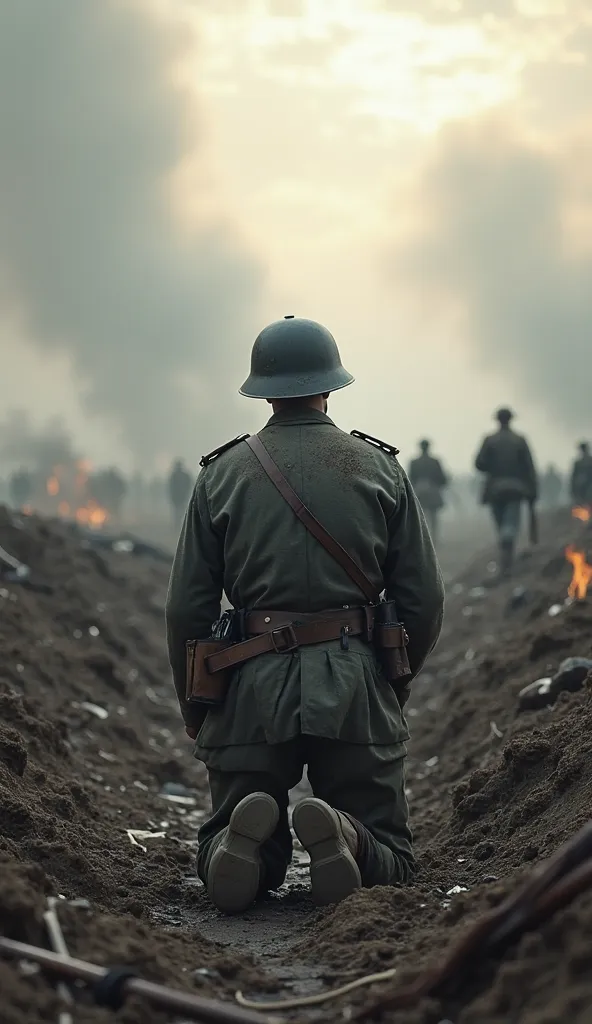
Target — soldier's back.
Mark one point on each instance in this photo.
(270, 559)
(506, 454)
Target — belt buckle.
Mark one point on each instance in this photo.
(286, 631)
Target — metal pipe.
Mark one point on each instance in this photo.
(207, 1010)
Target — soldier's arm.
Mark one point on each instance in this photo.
(195, 589)
(530, 473)
(412, 575)
(443, 480)
(482, 460)
(573, 480)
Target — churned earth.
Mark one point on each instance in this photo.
(100, 798)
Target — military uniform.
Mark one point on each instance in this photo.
(510, 479)
(581, 478)
(551, 487)
(428, 480)
(179, 491)
(326, 705)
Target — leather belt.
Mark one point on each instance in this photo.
(261, 621)
(276, 632)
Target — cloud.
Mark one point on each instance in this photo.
(94, 126)
(491, 232)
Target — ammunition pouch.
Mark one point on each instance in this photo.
(205, 686)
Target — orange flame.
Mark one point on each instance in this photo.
(92, 515)
(581, 512)
(53, 486)
(582, 573)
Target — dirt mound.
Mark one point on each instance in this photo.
(493, 790)
(93, 757)
(90, 734)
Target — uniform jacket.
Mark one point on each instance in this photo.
(510, 474)
(240, 537)
(581, 480)
(428, 479)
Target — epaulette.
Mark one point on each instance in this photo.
(206, 459)
(384, 447)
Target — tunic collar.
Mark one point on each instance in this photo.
(296, 417)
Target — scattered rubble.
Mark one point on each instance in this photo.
(100, 799)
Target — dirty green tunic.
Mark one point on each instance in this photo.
(506, 460)
(239, 537)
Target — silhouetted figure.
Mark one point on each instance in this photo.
(428, 480)
(180, 484)
(510, 479)
(581, 476)
(109, 488)
(551, 487)
(21, 488)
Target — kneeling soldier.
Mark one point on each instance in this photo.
(304, 527)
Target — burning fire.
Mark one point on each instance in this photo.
(92, 514)
(582, 573)
(580, 512)
(71, 486)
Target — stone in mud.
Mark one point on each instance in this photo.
(571, 674)
(536, 695)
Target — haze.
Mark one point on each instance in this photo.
(417, 176)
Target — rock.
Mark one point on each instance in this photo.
(536, 695)
(175, 789)
(518, 598)
(571, 675)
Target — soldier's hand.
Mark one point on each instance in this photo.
(191, 732)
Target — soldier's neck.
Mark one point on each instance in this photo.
(318, 402)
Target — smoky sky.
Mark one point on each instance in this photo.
(491, 235)
(36, 448)
(93, 123)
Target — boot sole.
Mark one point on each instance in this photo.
(234, 873)
(334, 874)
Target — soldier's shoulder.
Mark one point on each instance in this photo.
(376, 443)
(213, 456)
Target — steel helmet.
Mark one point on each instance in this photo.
(295, 358)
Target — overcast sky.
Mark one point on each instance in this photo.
(416, 175)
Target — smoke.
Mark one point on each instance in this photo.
(39, 449)
(499, 233)
(93, 125)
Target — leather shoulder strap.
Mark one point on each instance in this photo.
(312, 524)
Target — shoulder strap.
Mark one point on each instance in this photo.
(376, 442)
(312, 524)
(206, 459)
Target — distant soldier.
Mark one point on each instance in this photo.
(180, 485)
(551, 486)
(510, 479)
(428, 480)
(581, 477)
(21, 488)
(109, 489)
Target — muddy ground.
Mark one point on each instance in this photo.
(92, 748)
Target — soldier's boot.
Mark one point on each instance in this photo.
(234, 872)
(332, 842)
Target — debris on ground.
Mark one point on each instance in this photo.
(100, 801)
